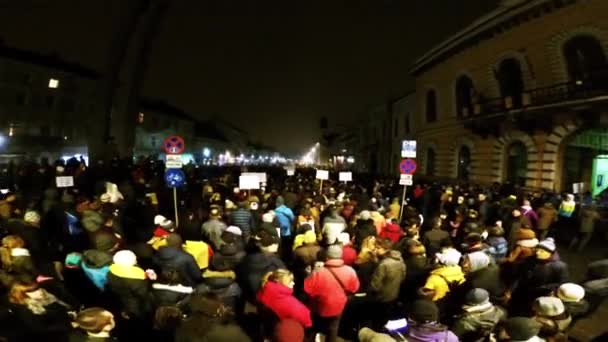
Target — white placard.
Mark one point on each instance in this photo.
(260, 175)
(64, 181)
(173, 161)
(406, 179)
(249, 182)
(291, 172)
(346, 176)
(408, 149)
(323, 174)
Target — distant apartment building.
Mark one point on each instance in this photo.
(46, 105)
(519, 96)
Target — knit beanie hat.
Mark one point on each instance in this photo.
(125, 258)
(96, 259)
(549, 306)
(522, 328)
(449, 257)
(334, 252)
(368, 335)
(268, 217)
(31, 217)
(477, 297)
(478, 260)
(571, 293)
(424, 311)
(104, 241)
(234, 230)
(547, 244)
(365, 215)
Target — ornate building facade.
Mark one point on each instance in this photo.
(519, 96)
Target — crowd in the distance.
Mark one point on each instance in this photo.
(105, 260)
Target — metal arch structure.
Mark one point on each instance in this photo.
(128, 56)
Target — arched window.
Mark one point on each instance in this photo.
(464, 163)
(517, 163)
(464, 92)
(430, 162)
(584, 55)
(431, 106)
(510, 80)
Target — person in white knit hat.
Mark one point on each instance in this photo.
(446, 275)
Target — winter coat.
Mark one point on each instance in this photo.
(541, 276)
(577, 309)
(200, 251)
(546, 217)
(212, 231)
(489, 279)
(430, 332)
(172, 258)
(279, 298)
(201, 327)
(364, 229)
(131, 289)
(531, 215)
(96, 265)
(224, 285)
(478, 322)
(566, 208)
(53, 325)
(498, 247)
(433, 239)
(392, 232)
(169, 295)
(253, 268)
(243, 219)
(349, 255)
(325, 290)
(286, 218)
(439, 278)
(387, 278)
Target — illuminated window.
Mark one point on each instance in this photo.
(140, 118)
(53, 83)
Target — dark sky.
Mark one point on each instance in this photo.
(271, 67)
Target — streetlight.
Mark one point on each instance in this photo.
(206, 152)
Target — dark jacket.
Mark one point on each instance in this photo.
(252, 269)
(433, 239)
(243, 219)
(53, 325)
(131, 289)
(538, 278)
(224, 285)
(168, 295)
(477, 323)
(489, 279)
(387, 278)
(363, 229)
(172, 258)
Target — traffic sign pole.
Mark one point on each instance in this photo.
(175, 207)
(402, 203)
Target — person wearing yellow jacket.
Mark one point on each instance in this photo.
(448, 272)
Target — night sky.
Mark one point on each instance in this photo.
(271, 67)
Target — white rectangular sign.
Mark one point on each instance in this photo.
(408, 149)
(323, 174)
(64, 181)
(346, 176)
(291, 172)
(406, 180)
(260, 175)
(173, 161)
(249, 182)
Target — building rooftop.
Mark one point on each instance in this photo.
(208, 129)
(478, 30)
(162, 107)
(51, 61)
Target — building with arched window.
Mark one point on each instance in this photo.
(519, 96)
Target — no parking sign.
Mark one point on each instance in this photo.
(408, 166)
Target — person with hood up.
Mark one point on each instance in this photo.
(130, 285)
(573, 297)
(329, 288)
(446, 275)
(481, 273)
(392, 231)
(424, 324)
(529, 213)
(547, 216)
(479, 317)
(520, 329)
(173, 257)
(213, 228)
(364, 228)
(96, 266)
(277, 295)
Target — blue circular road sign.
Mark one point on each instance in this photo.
(175, 178)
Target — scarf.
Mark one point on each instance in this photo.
(38, 306)
(530, 243)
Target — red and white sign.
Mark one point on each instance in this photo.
(174, 145)
(408, 166)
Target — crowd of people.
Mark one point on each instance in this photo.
(296, 260)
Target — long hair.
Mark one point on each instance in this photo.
(19, 290)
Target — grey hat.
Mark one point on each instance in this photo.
(334, 252)
(547, 244)
(477, 297)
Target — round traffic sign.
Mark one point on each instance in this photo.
(175, 178)
(407, 166)
(174, 144)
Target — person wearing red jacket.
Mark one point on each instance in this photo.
(328, 287)
(277, 295)
(392, 231)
